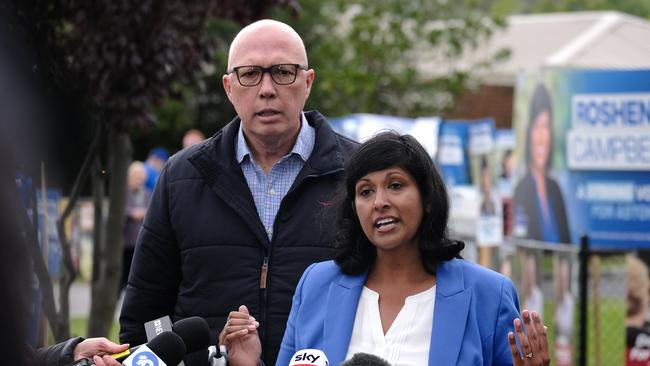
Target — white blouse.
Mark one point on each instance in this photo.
(407, 341)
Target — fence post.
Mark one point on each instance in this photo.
(582, 312)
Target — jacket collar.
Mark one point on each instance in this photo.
(216, 162)
(341, 310)
(302, 147)
(450, 313)
(218, 153)
(449, 317)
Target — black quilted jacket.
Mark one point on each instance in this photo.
(202, 246)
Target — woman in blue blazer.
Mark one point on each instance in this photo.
(397, 287)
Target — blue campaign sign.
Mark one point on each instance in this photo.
(346, 126)
(361, 127)
(452, 156)
(49, 208)
(481, 136)
(588, 134)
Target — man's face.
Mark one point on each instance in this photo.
(269, 110)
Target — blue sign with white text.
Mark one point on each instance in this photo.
(583, 143)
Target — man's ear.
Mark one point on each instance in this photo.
(309, 81)
(227, 86)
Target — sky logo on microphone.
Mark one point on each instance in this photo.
(309, 357)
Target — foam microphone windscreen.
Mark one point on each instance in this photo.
(169, 347)
(195, 333)
(365, 359)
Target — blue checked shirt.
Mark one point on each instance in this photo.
(269, 190)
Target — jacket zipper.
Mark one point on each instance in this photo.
(264, 272)
(263, 298)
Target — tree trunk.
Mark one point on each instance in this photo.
(108, 254)
(98, 219)
(61, 328)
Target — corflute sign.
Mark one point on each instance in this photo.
(583, 157)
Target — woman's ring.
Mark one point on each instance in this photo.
(530, 355)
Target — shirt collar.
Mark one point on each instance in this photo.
(303, 147)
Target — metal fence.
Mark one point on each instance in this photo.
(580, 292)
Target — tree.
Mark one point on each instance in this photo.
(386, 56)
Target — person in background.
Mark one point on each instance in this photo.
(239, 216)
(137, 201)
(505, 191)
(397, 288)
(490, 204)
(637, 329)
(153, 166)
(192, 137)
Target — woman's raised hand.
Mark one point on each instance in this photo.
(534, 344)
(240, 337)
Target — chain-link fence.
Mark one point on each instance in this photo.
(547, 277)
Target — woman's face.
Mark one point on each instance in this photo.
(389, 207)
(540, 141)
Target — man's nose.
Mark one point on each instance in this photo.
(267, 86)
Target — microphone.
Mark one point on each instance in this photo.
(194, 332)
(167, 348)
(309, 357)
(365, 359)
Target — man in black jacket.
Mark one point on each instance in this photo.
(238, 217)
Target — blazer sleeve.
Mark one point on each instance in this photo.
(508, 312)
(288, 346)
(156, 270)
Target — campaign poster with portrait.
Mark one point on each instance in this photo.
(582, 162)
(504, 141)
(482, 153)
(452, 156)
(504, 144)
(583, 157)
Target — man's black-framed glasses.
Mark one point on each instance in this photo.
(282, 74)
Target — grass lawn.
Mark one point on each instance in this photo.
(611, 333)
(610, 350)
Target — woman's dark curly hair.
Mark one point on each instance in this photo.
(355, 253)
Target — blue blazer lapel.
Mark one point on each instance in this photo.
(450, 314)
(342, 301)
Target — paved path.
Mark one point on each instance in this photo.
(80, 300)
